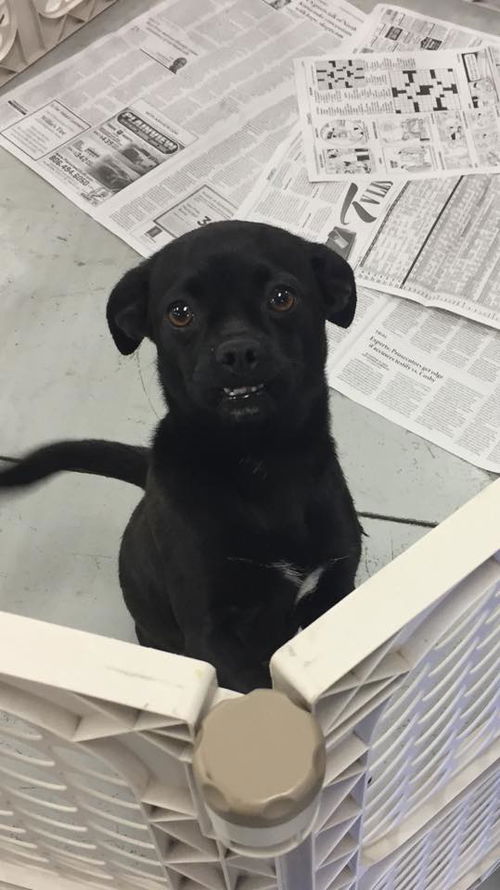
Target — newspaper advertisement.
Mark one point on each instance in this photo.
(401, 115)
(394, 29)
(164, 125)
(430, 371)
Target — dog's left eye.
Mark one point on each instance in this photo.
(180, 314)
(282, 299)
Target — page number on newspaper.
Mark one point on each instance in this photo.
(434, 89)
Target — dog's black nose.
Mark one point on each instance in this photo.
(238, 356)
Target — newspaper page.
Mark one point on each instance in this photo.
(436, 242)
(346, 215)
(429, 371)
(394, 29)
(343, 215)
(164, 125)
(399, 115)
(402, 237)
(395, 350)
(439, 244)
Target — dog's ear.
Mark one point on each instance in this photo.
(336, 280)
(127, 309)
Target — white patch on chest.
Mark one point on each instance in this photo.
(305, 584)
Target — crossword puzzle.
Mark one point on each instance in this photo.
(431, 90)
(342, 74)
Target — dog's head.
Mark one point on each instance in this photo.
(237, 311)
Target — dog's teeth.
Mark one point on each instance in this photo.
(242, 391)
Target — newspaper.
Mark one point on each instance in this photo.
(439, 244)
(400, 115)
(427, 370)
(164, 125)
(436, 242)
(392, 28)
(344, 215)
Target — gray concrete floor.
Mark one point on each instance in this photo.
(492, 883)
(62, 377)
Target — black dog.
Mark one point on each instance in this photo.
(247, 530)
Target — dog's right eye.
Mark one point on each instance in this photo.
(180, 315)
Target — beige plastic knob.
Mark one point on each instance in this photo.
(259, 762)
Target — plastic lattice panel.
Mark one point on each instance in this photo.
(30, 28)
(452, 846)
(98, 791)
(443, 715)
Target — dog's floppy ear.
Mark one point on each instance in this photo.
(127, 309)
(336, 280)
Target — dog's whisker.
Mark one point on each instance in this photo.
(139, 368)
(253, 562)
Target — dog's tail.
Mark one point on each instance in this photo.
(98, 457)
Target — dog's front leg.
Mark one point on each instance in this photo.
(250, 616)
(237, 668)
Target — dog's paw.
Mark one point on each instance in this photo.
(248, 679)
